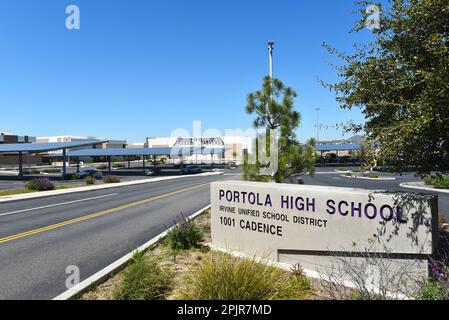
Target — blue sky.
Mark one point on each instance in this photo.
(142, 68)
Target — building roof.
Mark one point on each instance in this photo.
(338, 147)
(166, 151)
(44, 147)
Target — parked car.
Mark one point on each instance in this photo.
(89, 173)
(347, 159)
(331, 158)
(191, 169)
(153, 172)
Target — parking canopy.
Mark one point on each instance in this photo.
(45, 147)
(338, 147)
(29, 148)
(166, 151)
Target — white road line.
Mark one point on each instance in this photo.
(57, 204)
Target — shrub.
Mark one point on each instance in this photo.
(223, 277)
(34, 171)
(441, 182)
(184, 235)
(102, 167)
(357, 170)
(111, 179)
(143, 280)
(40, 184)
(342, 169)
(373, 175)
(118, 165)
(436, 287)
(51, 170)
(428, 180)
(70, 176)
(438, 181)
(348, 174)
(89, 180)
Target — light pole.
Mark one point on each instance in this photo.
(270, 52)
(317, 124)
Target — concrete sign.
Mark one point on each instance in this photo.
(287, 222)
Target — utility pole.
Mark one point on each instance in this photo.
(317, 124)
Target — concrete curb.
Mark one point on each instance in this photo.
(116, 266)
(368, 178)
(42, 194)
(421, 186)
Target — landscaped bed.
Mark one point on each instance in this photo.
(190, 271)
(437, 181)
(198, 273)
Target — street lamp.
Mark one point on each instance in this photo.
(270, 51)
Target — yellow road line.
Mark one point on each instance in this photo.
(94, 215)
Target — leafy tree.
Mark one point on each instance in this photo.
(400, 81)
(274, 107)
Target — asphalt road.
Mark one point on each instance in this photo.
(328, 177)
(40, 238)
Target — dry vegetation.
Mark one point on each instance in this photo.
(178, 267)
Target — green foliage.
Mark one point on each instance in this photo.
(223, 277)
(437, 181)
(40, 184)
(70, 176)
(89, 180)
(400, 83)
(102, 167)
(435, 287)
(118, 165)
(273, 106)
(51, 170)
(111, 179)
(184, 235)
(373, 175)
(34, 171)
(432, 290)
(143, 280)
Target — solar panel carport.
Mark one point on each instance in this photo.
(166, 151)
(338, 147)
(32, 148)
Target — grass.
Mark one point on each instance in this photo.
(224, 277)
(186, 261)
(143, 280)
(24, 191)
(51, 170)
(111, 179)
(184, 235)
(13, 192)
